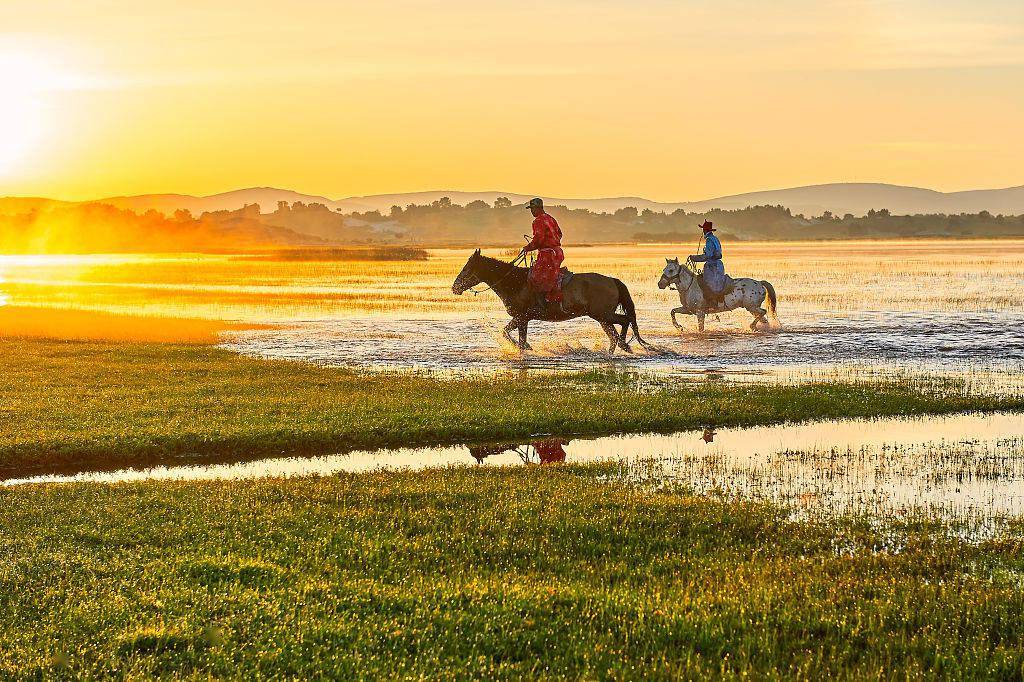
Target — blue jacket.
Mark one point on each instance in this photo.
(714, 271)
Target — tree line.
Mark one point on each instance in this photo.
(443, 222)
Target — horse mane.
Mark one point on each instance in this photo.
(504, 264)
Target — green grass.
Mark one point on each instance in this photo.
(67, 404)
(485, 573)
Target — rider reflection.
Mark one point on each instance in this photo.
(551, 450)
(544, 451)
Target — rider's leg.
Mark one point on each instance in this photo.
(712, 299)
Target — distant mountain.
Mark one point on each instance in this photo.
(266, 197)
(860, 197)
(813, 200)
(384, 202)
(840, 198)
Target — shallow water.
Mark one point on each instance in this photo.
(922, 306)
(953, 467)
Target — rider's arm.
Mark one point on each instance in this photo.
(707, 255)
(532, 246)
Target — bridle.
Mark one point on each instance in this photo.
(674, 279)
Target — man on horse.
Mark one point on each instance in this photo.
(547, 242)
(712, 283)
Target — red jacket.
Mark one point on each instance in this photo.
(546, 233)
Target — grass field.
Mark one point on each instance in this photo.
(485, 573)
(93, 403)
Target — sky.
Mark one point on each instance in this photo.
(664, 99)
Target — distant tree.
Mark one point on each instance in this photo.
(477, 205)
(396, 212)
(627, 213)
(502, 202)
(183, 215)
(444, 203)
(827, 215)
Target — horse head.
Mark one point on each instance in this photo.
(671, 272)
(470, 275)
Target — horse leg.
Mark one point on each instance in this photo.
(759, 315)
(681, 310)
(522, 335)
(700, 320)
(624, 321)
(613, 336)
(506, 332)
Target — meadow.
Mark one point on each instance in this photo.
(498, 573)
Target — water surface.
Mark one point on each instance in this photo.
(915, 306)
(954, 467)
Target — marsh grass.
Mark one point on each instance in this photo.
(367, 253)
(474, 573)
(66, 404)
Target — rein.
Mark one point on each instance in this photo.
(490, 287)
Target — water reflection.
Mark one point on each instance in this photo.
(543, 451)
(953, 467)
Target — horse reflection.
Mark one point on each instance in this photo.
(544, 451)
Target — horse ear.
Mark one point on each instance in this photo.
(478, 252)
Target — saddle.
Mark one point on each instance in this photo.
(730, 284)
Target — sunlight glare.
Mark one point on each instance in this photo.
(25, 80)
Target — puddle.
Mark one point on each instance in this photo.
(952, 467)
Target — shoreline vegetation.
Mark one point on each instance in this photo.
(363, 253)
(488, 573)
(30, 226)
(84, 404)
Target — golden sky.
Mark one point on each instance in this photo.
(666, 99)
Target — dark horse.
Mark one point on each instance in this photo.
(586, 294)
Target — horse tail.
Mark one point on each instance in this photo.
(626, 300)
(771, 299)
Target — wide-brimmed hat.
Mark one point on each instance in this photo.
(706, 226)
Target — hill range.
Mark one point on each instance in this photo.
(812, 200)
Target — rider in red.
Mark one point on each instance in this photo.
(547, 242)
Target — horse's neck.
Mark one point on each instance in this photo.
(505, 279)
(684, 283)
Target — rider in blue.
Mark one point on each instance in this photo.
(712, 284)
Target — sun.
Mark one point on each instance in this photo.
(26, 82)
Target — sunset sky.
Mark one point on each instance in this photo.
(669, 100)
